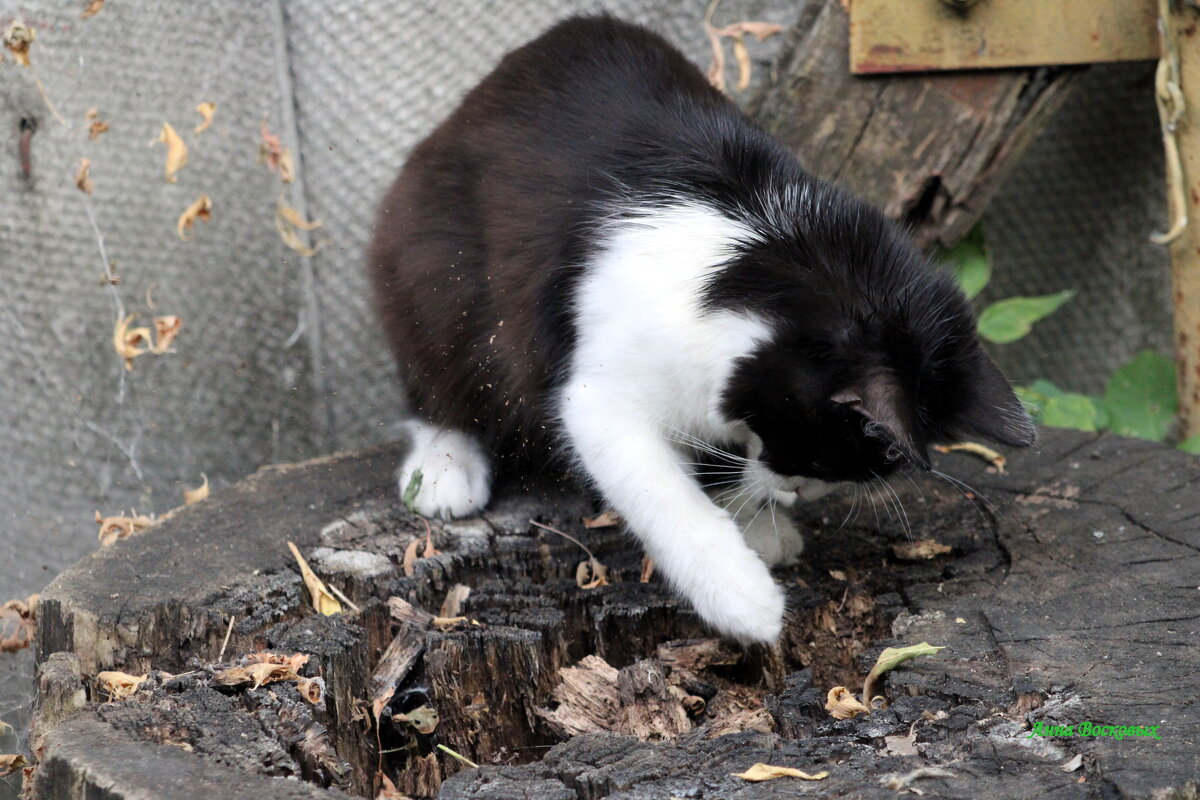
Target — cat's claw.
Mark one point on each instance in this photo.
(455, 476)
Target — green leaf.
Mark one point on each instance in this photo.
(970, 263)
(888, 660)
(1190, 445)
(410, 491)
(1140, 397)
(1046, 389)
(1076, 411)
(1010, 319)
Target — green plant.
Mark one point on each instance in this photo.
(1139, 399)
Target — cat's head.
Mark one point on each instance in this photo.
(873, 355)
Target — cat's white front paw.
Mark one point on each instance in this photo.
(455, 476)
(773, 535)
(733, 591)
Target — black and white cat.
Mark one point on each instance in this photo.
(599, 261)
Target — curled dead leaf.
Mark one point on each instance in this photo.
(891, 658)
(165, 331)
(591, 574)
(322, 599)
(983, 451)
(767, 772)
(82, 181)
(269, 673)
(177, 152)
(424, 719)
(93, 8)
(130, 342)
(11, 762)
(311, 689)
(17, 39)
(841, 704)
(737, 32)
(121, 526)
(119, 685)
(920, 549)
(272, 153)
(205, 110)
(289, 223)
(200, 209)
(232, 676)
(411, 557)
(605, 519)
(191, 496)
(18, 622)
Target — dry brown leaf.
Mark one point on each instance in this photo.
(130, 342)
(983, 451)
(11, 762)
(201, 209)
(232, 676)
(119, 685)
(606, 519)
(311, 689)
(767, 772)
(177, 152)
(591, 574)
(410, 557)
(323, 601)
(293, 662)
(424, 719)
(93, 8)
(269, 673)
(82, 181)
(191, 496)
(17, 39)
(277, 157)
(838, 575)
(920, 549)
(841, 704)
(647, 569)
(165, 331)
(736, 31)
(205, 110)
(18, 619)
(289, 223)
(96, 128)
(121, 526)
(741, 54)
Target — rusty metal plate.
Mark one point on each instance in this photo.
(921, 35)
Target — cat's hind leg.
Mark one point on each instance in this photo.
(455, 474)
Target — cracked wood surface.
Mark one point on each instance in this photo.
(1075, 598)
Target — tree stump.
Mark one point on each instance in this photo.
(1071, 598)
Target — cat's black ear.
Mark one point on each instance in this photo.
(993, 410)
(882, 403)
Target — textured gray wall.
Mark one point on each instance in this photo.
(278, 358)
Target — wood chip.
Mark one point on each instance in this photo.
(920, 550)
(322, 599)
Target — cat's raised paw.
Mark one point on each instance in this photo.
(455, 475)
(742, 602)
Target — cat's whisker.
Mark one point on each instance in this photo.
(853, 506)
(969, 492)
